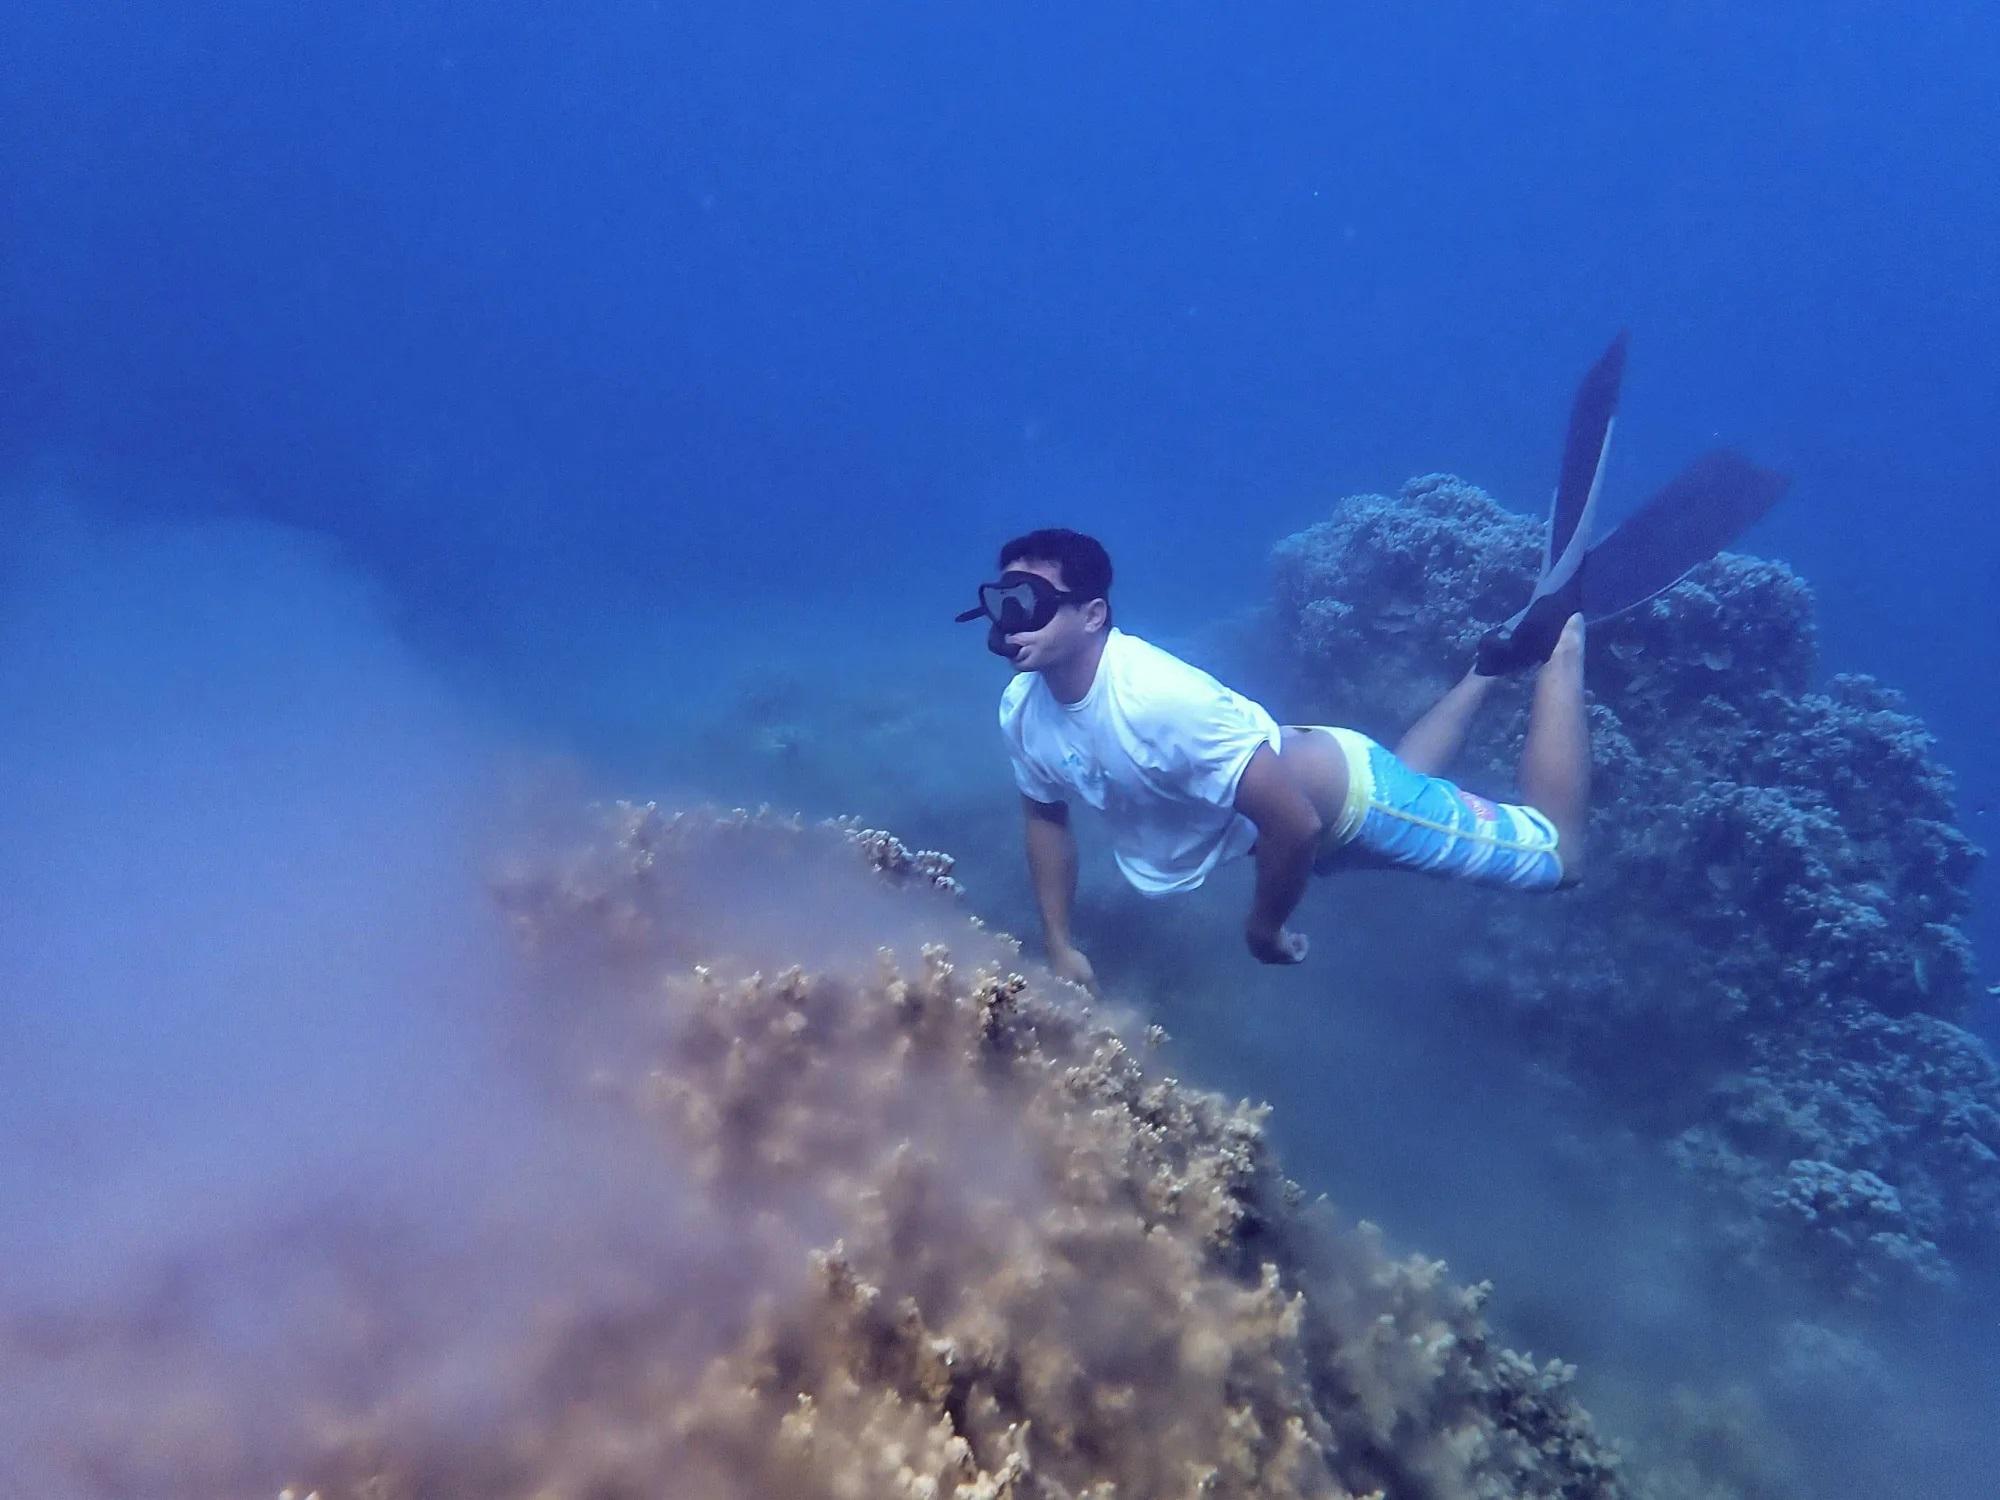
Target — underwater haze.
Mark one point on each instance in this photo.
(418, 419)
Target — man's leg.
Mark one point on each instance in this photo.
(1433, 742)
(1555, 764)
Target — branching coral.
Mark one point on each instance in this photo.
(1054, 1274)
(976, 1248)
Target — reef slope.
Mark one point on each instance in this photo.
(1042, 1270)
(918, 1223)
(1764, 968)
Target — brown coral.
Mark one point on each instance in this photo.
(976, 1249)
(1053, 1275)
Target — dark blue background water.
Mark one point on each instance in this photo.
(563, 322)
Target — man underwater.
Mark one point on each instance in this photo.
(1190, 774)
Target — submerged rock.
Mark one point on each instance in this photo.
(1765, 964)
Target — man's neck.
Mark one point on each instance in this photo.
(1071, 681)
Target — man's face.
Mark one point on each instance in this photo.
(1069, 633)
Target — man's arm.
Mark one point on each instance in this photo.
(1052, 870)
(1288, 830)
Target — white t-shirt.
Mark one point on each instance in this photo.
(1156, 745)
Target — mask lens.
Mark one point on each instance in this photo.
(1017, 607)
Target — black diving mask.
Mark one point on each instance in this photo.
(1017, 603)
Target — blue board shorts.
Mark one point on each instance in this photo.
(1400, 817)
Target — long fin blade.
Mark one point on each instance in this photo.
(1704, 508)
(1585, 449)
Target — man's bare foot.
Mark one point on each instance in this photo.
(1569, 645)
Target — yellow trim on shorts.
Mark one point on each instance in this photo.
(1473, 835)
(1360, 785)
(1360, 799)
(1360, 781)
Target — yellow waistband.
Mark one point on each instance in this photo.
(1354, 747)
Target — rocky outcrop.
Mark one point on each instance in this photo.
(1765, 964)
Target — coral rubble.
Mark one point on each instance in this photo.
(1766, 963)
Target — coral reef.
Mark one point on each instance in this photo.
(1051, 1274)
(1765, 964)
(1021, 1263)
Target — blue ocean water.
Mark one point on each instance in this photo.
(666, 303)
(648, 358)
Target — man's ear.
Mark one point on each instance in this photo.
(1096, 614)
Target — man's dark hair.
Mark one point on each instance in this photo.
(1086, 566)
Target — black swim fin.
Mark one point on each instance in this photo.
(1704, 508)
(1528, 638)
(1700, 511)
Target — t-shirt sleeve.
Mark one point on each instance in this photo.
(1031, 781)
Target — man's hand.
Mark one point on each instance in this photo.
(1067, 962)
(1281, 947)
(1288, 832)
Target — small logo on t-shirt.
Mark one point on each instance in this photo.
(1483, 810)
(1082, 774)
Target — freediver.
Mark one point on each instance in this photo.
(1190, 774)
